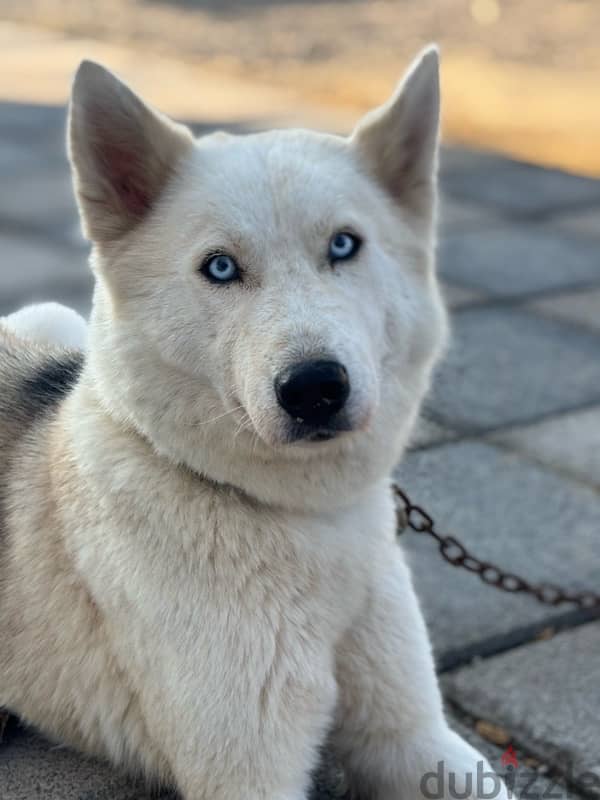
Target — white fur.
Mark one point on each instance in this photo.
(229, 598)
(49, 323)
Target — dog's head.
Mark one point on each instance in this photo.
(266, 309)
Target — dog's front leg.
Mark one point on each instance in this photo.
(230, 761)
(230, 730)
(220, 765)
(391, 733)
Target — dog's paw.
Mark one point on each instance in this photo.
(436, 764)
(460, 772)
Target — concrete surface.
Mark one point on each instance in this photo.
(505, 457)
(507, 510)
(586, 222)
(547, 696)
(514, 189)
(514, 260)
(507, 366)
(569, 443)
(532, 778)
(33, 769)
(580, 307)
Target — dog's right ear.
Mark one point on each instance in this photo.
(399, 141)
(122, 153)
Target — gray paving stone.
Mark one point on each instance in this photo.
(42, 200)
(548, 695)
(585, 222)
(18, 158)
(517, 259)
(570, 443)
(36, 184)
(530, 779)
(582, 307)
(32, 768)
(32, 269)
(512, 187)
(459, 296)
(455, 216)
(506, 366)
(38, 128)
(427, 432)
(509, 511)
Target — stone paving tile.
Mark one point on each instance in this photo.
(506, 366)
(516, 260)
(33, 269)
(512, 187)
(585, 222)
(456, 216)
(36, 184)
(427, 432)
(458, 296)
(39, 128)
(547, 694)
(570, 443)
(18, 158)
(507, 510)
(32, 768)
(530, 779)
(582, 307)
(42, 200)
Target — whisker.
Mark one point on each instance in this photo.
(226, 414)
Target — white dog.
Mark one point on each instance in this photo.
(199, 574)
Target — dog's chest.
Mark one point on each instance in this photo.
(214, 576)
(238, 568)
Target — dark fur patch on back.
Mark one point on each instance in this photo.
(33, 381)
(50, 381)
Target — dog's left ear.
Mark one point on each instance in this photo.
(399, 140)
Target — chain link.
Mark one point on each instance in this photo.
(455, 553)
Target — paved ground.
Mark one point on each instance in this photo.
(507, 455)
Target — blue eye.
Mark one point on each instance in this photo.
(342, 246)
(221, 268)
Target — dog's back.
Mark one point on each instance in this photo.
(33, 380)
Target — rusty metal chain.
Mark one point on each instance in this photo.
(454, 552)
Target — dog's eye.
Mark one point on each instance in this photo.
(220, 268)
(342, 246)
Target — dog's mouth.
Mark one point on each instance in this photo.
(299, 432)
(277, 430)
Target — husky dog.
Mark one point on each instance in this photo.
(199, 574)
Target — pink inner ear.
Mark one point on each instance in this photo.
(129, 178)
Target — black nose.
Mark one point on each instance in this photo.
(313, 391)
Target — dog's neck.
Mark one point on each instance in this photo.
(89, 394)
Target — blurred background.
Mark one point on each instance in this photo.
(520, 76)
(507, 454)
